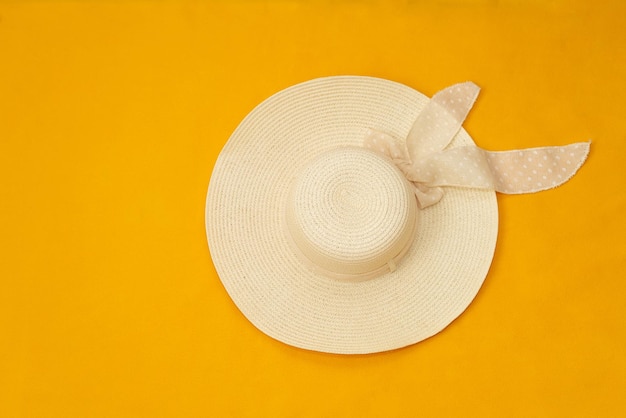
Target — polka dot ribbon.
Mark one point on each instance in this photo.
(430, 166)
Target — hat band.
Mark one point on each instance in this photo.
(317, 263)
(428, 165)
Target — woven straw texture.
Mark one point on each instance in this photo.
(350, 212)
(283, 297)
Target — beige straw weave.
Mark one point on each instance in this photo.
(297, 159)
(351, 214)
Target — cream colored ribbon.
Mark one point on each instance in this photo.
(429, 165)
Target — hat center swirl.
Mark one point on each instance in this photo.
(351, 214)
(350, 200)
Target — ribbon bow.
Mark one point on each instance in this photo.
(429, 165)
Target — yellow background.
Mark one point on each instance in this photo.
(112, 115)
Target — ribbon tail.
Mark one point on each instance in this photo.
(535, 169)
(511, 172)
(440, 120)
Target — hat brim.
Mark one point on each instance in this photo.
(435, 281)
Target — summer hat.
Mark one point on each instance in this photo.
(354, 215)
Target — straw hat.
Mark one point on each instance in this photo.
(354, 214)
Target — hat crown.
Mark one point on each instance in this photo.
(351, 214)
